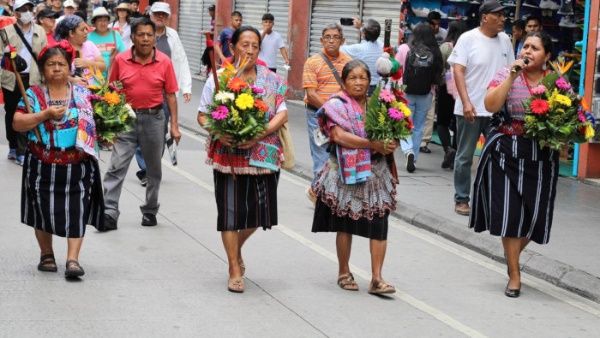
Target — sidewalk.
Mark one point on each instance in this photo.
(425, 199)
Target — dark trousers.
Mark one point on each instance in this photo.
(274, 70)
(16, 140)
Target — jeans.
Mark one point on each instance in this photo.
(318, 153)
(419, 106)
(467, 135)
(138, 152)
(148, 135)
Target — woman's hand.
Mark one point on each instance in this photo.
(81, 63)
(382, 147)
(55, 112)
(226, 140)
(517, 68)
(250, 143)
(78, 81)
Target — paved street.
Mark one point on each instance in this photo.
(171, 279)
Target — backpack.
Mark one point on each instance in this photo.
(419, 71)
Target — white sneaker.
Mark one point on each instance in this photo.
(421, 12)
(566, 8)
(530, 3)
(509, 3)
(567, 22)
(549, 4)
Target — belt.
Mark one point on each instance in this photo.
(57, 156)
(514, 128)
(153, 110)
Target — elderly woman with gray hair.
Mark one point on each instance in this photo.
(87, 56)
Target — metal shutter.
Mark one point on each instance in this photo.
(252, 11)
(280, 10)
(325, 12)
(193, 19)
(381, 10)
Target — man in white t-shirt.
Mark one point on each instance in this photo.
(477, 56)
(272, 42)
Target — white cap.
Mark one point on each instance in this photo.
(20, 3)
(70, 3)
(99, 11)
(160, 7)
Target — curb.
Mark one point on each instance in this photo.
(553, 271)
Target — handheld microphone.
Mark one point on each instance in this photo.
(518, 68)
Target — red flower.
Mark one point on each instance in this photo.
(236, 84)
(409, 124)
(539, 106)
(261, 105)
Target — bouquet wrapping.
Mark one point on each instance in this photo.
(555, 115)
(112, 114)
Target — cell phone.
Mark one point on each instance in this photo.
(346, 21)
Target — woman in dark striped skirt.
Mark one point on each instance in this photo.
(245, 181)
(515, 186)
(355, 189)
(61, 188)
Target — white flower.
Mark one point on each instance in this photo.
(224, 97)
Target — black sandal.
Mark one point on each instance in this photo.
(47, 263)
(74, 270)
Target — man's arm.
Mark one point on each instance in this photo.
(284, 53)
(461, 86)
(313, 99)
(172, 104)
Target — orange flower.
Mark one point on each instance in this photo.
(236, 84)
(112, 98)
(261, 105)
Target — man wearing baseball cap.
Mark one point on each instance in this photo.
(47, 19)
(477, 56)
(69, 8)
(28, 39)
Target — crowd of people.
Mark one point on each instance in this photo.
(474, 81)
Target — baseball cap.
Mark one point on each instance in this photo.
(69, 3)
(160, 7)
(48, 13)
(98, 12)
(490, 6)
(20, 3)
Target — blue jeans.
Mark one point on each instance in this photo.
(467, 135)
(138, 152)
(419, 106)
(318, 153)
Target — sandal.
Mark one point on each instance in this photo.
(381, 288)
(47, 263)
(235, 285)
(74, 270)
(347, 282)
(243, 268)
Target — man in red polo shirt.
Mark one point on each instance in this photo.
(146, 74)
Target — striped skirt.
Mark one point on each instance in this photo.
(61, 199)
(515, 188)
(246, 201)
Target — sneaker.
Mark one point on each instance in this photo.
(312, 197)
(12, 154)
(566, 8)
(425, 149)
(567, 22)
(109, 224)
(509, 3)
(448, 161)
(410, 163)
(421, 12)
(149, 220)
(20, 160)
(530, 4)
(462, 208)
(549, 4)
(141, 175)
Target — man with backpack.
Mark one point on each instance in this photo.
(423, 68)
(477, 56)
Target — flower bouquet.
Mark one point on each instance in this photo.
(237, 108)
(554, 114)
(113, 115)
(388, 116)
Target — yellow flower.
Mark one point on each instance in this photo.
(244, 101)
(112, 98)
(235, 117)
(404, 109)
(589, 132)
(94, 87)
(563, 100)
(381, 119)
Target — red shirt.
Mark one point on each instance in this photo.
(50, 38)
(144, 84)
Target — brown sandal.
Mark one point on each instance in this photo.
(47, 263)
(381, 288)
(347, 282)
(235, 285)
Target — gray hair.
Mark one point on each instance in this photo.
(333, 26)
(65, 26)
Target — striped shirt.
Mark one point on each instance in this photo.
(517, 95)
(317, 74)
(368, 52)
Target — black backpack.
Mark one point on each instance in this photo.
(419, 71)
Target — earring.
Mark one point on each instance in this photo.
(544, 67)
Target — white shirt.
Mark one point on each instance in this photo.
(269, 47)
(441, 35)
(180, 61)
(125, 33)
(24, 52)
(483, 57)
(368, 52)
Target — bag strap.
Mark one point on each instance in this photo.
(332, 68)
(20, 34)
